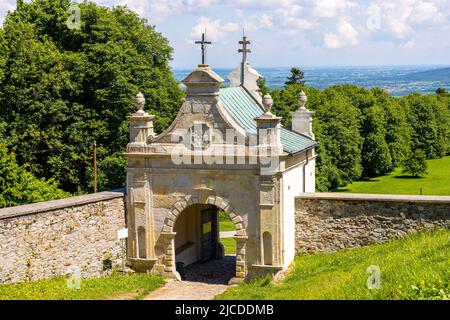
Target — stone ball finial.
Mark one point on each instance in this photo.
(140, 102)
(302, 99)
(267, 102)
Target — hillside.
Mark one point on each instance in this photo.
(436, 183)
(430, 75)
(416, 267)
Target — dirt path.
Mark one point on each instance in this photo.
(203, 282)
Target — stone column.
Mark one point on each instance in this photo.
(269, 143)
(269, 132)
(302, 118)
(169, 255)
(141, 127)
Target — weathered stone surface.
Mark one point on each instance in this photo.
(331, 222)
(69, 235)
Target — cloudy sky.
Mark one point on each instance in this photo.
(288, 33)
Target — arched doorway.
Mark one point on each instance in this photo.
(200, 254)
(168, 234)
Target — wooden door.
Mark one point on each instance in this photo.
(209, 234)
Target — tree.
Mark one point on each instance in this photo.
(338, 130)
(429, 117)
(376, 157)
(62, 88)
(441, 92)
(263, 88)
(296, 77)
(416, 164)
(19, 186)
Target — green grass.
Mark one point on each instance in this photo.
(225, 223)
(437, 182)
(229, 244)
(416, 267)
(116, 286)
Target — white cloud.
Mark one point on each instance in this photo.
(331, 8)
(215, 29)
(408, 44)
(5, 6)
(332, 41)
(159, 10)
(345, 35)
(266, 21)
(401, 17)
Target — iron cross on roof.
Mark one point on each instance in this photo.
(244, 49)
(203, 44)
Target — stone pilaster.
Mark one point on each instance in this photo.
(268, 130)
(141, 127)
(302, 118)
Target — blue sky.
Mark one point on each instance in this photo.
(300, 33)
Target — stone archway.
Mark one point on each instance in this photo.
(169, 234)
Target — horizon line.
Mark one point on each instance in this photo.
(321, 66)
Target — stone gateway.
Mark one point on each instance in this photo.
(225, 151)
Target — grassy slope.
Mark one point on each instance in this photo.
(421, 260)
(225, 224)
(437, 182)
(134, 286)
(229, 244)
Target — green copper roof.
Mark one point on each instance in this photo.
(244, 109)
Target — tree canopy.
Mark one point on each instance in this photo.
(62, 88)
(363, 133)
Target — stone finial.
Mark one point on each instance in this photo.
(140, 102)
(302, 99)
(267, 102)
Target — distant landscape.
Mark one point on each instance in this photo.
(398, 80)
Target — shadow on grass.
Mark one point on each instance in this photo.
(409, 177)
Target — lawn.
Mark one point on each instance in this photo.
(225, 224)
(229, 244)
(135, 286)
(416, 267)
(437, 182)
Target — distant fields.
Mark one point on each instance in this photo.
(437, 182)
(416, 267)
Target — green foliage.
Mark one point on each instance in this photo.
(263, 88)
(364, 133)
(225, 223)
(19, 186)
(429, 117)
(415, 164)
(439, 290)
(419, 260)
(296, 77)
(60, 89)
(337, 132)
(135, 286)
(441, 91)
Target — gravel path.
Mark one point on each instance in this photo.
(227, 234)
(203, 281)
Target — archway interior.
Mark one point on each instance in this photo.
(199, 252)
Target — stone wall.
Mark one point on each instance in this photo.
(54, 238)
(327, 222)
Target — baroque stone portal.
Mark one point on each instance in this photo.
(224, 151)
